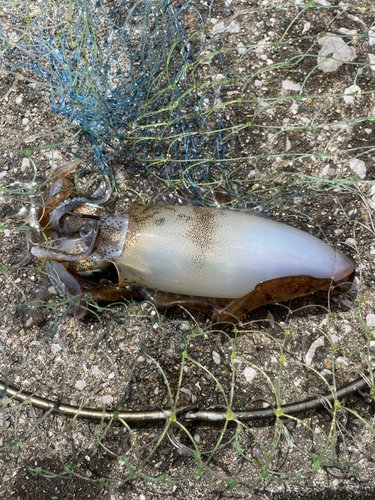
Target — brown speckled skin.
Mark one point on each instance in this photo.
(193, 232)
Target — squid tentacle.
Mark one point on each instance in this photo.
(59, 275)
(64, 208)
(65, 256)
(101, 195)
(104, 191)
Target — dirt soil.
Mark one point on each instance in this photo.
(308, 162)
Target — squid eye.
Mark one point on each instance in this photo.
(70, 225)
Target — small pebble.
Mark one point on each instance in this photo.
(249, 373)
(80, 384)
(106, 399)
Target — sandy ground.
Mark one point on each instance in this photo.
(317, 173)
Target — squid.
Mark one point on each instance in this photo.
(223, 262)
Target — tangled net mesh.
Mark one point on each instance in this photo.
(165, 96)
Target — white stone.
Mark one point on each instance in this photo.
(216, 357)
(370, 320)
(372, 61)
(53, 154)
(184, 326)
(241, 48)
(349, 98)
(289, 85)
(25, 164)
(347, 328)
(335, 338)
(359, 167)
(345, 31)
(95, 370)
(288, 145)
(80, 384)
(311, 352)
(341, 52)
(294, 108)
(306, 28)
(233, 27)
(335, 482)
(340, 359)
(55, 348)
(347, 303)
(106, 399)
(355, 285)
(28, 322)
(249, 373)
(356, 19)
(371, 37)
(325, 171)
(339, 126)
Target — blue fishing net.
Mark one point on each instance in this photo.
(134, 76)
